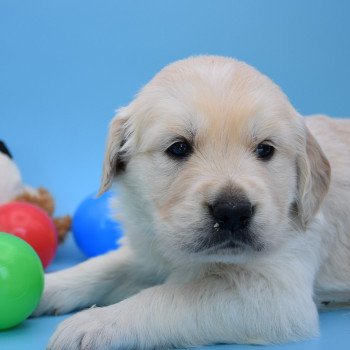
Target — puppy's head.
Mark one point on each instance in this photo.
(213, 158)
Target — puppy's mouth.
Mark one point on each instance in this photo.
(227, 241)
(228, 246)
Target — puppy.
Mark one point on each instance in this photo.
(235, 231)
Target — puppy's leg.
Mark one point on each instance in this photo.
(101, 280)
(249, 309)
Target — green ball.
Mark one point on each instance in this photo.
(21, 280)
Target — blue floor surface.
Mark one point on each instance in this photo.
(33, 334)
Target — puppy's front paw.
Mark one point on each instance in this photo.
(58, 297)
(92, 329)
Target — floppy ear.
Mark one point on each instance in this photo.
(314, 174)
(116, 155)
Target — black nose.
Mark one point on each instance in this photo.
(233, 214)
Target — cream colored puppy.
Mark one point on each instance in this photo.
(235, 232)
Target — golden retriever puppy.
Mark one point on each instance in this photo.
(235, 230)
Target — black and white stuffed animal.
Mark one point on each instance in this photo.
(12, 188)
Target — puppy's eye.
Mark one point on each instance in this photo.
(264, 151)
(179, 149)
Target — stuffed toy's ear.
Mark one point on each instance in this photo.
(4, 149)
(314, 174)
(116, 156)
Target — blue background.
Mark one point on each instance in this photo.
(66, 65)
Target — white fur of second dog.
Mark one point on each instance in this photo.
(162, 288)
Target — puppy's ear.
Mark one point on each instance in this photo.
(116, 153)
(314, 174)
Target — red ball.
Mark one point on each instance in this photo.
(33, 225)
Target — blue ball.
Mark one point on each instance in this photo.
(94, 230)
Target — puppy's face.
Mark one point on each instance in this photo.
(212, 156)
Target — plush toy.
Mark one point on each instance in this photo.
(13, 189)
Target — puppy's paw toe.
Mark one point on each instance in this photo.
(85, 330)
(57, 299)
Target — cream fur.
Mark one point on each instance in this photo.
(156, 292)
